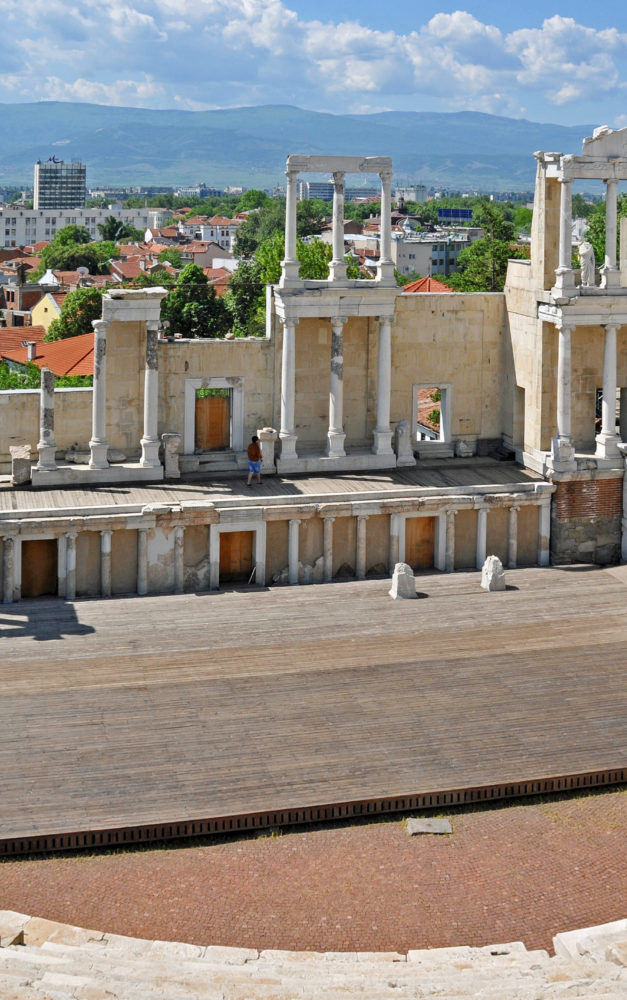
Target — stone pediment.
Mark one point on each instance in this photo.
(606, 142)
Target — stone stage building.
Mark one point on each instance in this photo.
(343, 374)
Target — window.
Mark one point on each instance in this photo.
(431, 413)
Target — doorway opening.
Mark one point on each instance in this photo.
(39, 567)
(213, 419)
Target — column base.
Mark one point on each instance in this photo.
(47, 457)
(562, 457)
(564, 286)
(610, 277)
(289, 274)
(382, 444)
(150, 454)
(385, 273)
(335, 444)
(99, 451)
(337, 271)
(607, 445)
(288, 445)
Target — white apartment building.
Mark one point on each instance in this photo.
(21, 227)
(430, 253)
(218, 230)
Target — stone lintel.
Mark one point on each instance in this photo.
(338, 164)
(286, 513)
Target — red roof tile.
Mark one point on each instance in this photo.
(74, 356)
(12, 337)
(426, 285)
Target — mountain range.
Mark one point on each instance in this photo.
(248, 146)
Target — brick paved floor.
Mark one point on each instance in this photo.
(516, 872)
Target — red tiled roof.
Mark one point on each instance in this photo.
(74, 356)
(126, 268)
(12, 337)
(426, 285)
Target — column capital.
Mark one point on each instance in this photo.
(386, 175)
(362, 517)
(328, 517)
(338, 176)
(295, 520)
(563, 326)
(100, 325)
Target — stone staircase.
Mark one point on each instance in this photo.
(43, 960)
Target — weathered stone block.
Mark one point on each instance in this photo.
(20, 464)
(403, 583)
(492, 575)
(415, 826)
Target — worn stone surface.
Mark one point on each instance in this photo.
(492, 574)
(20, 464)
(403, 583)
(171, 446)
(402, 444)
(416, 826)
(586, 540)
(83, 457)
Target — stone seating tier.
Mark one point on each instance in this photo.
(43, 959)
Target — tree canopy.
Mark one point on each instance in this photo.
(193, 309)
(77, 312)
(483, 264)
(30, 378)
(115, 230)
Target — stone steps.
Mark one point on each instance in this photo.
(49, 961)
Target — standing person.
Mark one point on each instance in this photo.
(254, 460)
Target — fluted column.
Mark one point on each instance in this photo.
(70, 565)
(383, 432)
(607, 440)
(385, 272)
(610, 274)
(482, 536)
(98, 444)
(336, 435)
(512, 537)
(289, 273)
(150, 439)
(337, 267)
(179, 559)
(8, 569)
(292, 549)
(564, 275)
(46, 446)
(288, 386)
(327, 543)
(142, 561)
(105, 563)
(562, 451)
(360, 547)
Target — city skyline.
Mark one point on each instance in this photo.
(566, 67)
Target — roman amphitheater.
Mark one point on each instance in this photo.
(217, 724)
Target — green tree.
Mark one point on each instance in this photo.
(596, 228)
(154, 279)
(172, 256)
(77, 312)
(483, 265)
(252, 199)
(30, 378)
(71, 235)
(115, 230)
(245, 299)
(193, 309)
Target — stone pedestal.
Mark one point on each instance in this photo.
(402, 444)
(46, 446)
(403, 583)
(171, 446)
(20, 464)
(267, 438)
(492, 574)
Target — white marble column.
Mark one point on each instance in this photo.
(142, 561)
(544, 533)
(46, 446)
(360, 547)
(150, 439)
(512, 536)
(70, 565)
(179, 559)
(562, 451)
(610, 274)
(105, 563)
(394, 548)
(482, 536)
(292, 549)
(98, 444)
(383, 432)
(450, 540)
(385, 272)
(336, 435)
(289, 273)
(564, 275)
(8, 569)
(623, 413)
(337, 267)
(607, 440)
(287, 432)
(327, 545)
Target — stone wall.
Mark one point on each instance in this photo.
(586, 517)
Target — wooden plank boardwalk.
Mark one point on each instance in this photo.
(122, 713)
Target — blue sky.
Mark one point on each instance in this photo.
(559, 63)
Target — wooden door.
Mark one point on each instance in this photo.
(39, 567)
(236, 555)
(213, 423)
(420, 542)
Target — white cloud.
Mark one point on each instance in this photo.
(224, 53)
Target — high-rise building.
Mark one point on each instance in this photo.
(59, 185)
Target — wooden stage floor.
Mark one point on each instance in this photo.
(152, 710)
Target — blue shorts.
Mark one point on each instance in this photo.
(254, 466)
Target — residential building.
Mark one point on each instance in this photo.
(20, 227)
(59, 185)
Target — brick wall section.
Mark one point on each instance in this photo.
(589, 498)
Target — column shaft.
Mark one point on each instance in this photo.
(544, 533)
(8, 569)
(328, 548)
(450, 540)
(394, 551)
(337, 269)
(386, 264)
(360, 548)
(563, 384)
(383, 433)
(150, 439)
(482, 536)
(46, 446)
(336, 435)
(98, 444)
(70, 566)
(289, 274)
(105, 563)
(564, 277)
(607, 440)
(142, 561)
(512, 537)
(292, 549)
(179, 559)
(288, 384)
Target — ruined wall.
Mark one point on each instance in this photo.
(19, 420)
(586, 515)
